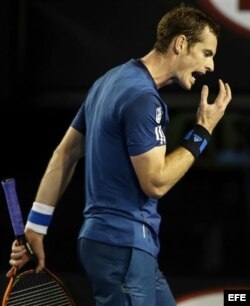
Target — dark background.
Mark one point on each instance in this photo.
(51, 52)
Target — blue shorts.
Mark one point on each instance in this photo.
(123, 276)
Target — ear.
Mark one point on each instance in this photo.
(180, 43)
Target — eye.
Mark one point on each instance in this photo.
(207, 53)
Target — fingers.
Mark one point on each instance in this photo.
(17, 250)
(36, 243)
(18, 259)
(20, 256)
(209, 114)
(37, 247)
(228, 92)
(225, 95)
(40, 266)
(204, 94)
(17, 262)
(41, 260)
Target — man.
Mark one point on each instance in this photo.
(127, 167)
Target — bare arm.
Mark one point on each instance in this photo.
(61, 167)
(157, 171)
(54, 182)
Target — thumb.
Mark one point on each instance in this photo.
(11, 272)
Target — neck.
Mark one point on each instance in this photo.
(159, 66)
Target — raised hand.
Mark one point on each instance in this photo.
(209, 114)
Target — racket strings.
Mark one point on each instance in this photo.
(37, 289)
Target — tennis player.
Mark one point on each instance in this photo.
(128, 168)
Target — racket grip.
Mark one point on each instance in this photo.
(22, 241)
(9, 186)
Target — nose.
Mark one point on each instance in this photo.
(210, 65)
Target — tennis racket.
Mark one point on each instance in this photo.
(28, 288)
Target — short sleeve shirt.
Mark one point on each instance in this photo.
(122, 116)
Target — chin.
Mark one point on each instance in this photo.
(186, 86)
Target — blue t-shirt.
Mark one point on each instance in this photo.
(122, 116)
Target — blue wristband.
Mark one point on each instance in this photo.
(40, 217)
(196, 140)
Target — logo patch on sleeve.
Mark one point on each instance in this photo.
(158, 114)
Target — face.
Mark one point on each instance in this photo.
(195, 61)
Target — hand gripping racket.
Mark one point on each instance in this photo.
(28, 288)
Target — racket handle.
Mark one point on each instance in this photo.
(22, 241)
(9, 186)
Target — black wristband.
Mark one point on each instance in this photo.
(196, 140)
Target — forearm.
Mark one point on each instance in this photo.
(55, 179)
(174, 167)
(158, 172)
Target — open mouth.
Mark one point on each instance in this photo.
(197, 74)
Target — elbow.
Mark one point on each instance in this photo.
(66, 155)
(155, 192)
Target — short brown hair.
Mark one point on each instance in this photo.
(186, 21)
